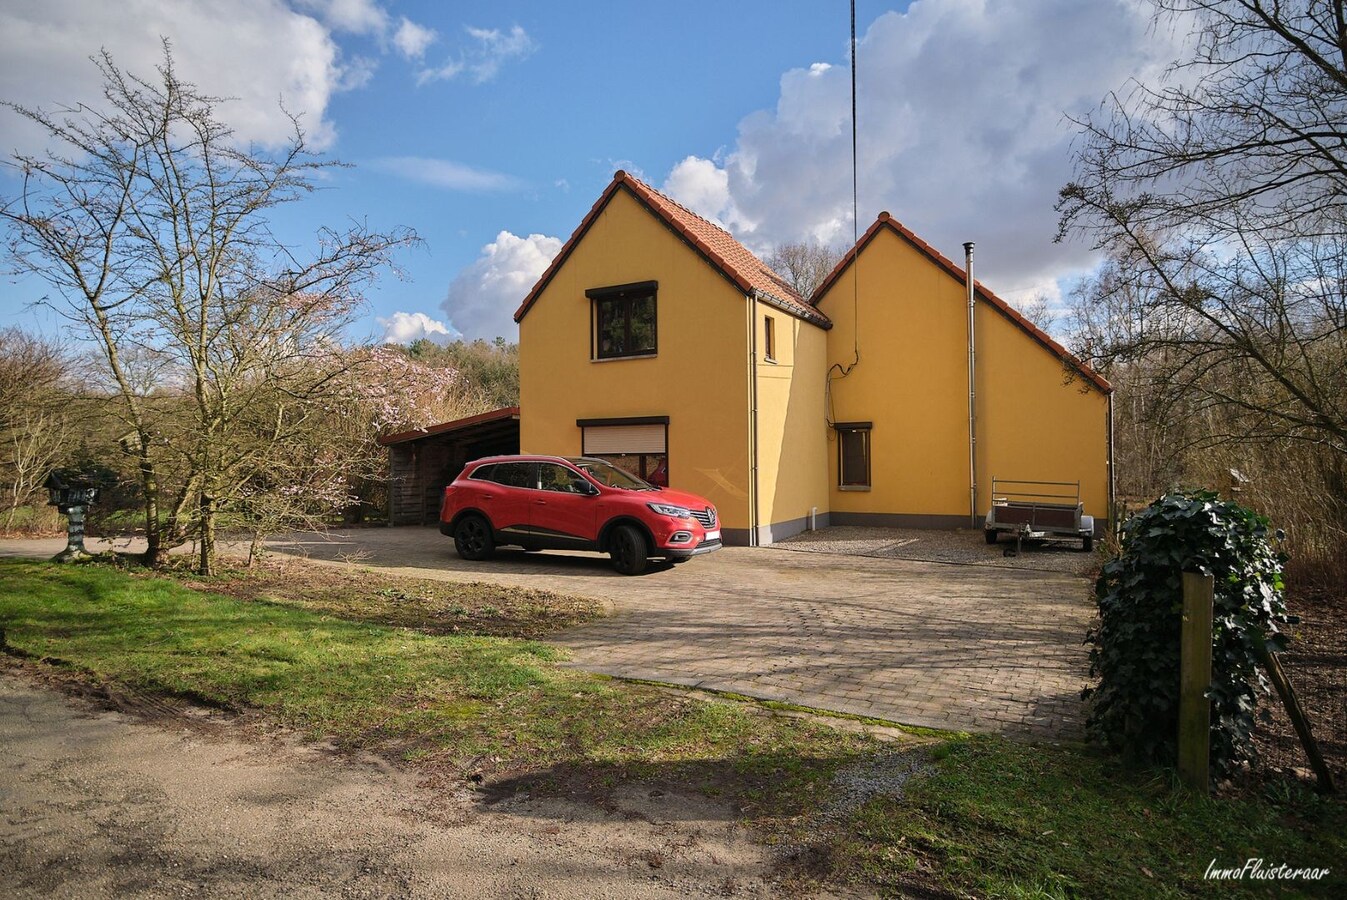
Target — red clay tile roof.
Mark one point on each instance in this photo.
(731, 258)
(1001, 306)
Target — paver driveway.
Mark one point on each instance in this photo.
(945, 646)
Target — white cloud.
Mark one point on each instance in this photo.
(701, 186)
(962, 131)
(405, 327)
(355, 16)
(444, 173)
(412, 39)
(482, 59)
(483, 297)
(258, 53)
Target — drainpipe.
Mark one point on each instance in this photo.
(972, 407)
(753, 419)
(1112, 481)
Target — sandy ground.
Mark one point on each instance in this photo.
(100, 803)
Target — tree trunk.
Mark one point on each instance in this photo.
(156, 549)
(206, 564)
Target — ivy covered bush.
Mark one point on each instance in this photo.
(1135, 646)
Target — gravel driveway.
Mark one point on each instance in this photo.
(966, 547)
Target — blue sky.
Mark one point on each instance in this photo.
(491, 128)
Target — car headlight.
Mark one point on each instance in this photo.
(665, 509)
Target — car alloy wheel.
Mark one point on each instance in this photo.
(629, 551)
(472, 538)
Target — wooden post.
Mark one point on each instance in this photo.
(1288, 695)
(1194, 680)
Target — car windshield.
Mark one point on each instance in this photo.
(611, 475)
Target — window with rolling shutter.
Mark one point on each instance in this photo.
(601, 439)
(639, 446)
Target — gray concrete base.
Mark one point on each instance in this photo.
(777, 531)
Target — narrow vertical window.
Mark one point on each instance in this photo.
(769, 338)
(853, 455)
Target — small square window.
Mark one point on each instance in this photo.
(624, 321)
(853, 456)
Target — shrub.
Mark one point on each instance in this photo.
(1135, 645)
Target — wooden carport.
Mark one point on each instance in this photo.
(423, 461)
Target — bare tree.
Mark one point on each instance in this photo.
(803, 264)
(34, 415)
(1039, 310)
(1219, 196)
(151, 224)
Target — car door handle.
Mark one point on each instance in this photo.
(540, 502)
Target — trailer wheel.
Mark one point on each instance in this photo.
(989, 534)
(1087, 544)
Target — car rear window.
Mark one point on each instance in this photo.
(516, 474)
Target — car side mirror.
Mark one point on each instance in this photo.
(586, 488)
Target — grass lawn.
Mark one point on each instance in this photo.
(430, 673)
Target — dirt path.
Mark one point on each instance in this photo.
(100, 803)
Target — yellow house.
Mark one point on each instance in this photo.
(657, 341)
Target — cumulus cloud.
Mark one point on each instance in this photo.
(481, 60)
(483, 297)
(259, 53)
(355, 16)
(406, 327)
(701, 186)
(444, 173)
(963, 132)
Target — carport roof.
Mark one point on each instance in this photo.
(480, 422)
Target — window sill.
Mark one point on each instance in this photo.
(853, 487)
(608, 359)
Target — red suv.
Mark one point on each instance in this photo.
(556, 503)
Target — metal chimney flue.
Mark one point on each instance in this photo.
(972, 391)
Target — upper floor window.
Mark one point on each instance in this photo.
(769, 338)
(624, 320)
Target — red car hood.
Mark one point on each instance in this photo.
(679, 498)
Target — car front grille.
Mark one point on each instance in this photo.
(706, 516)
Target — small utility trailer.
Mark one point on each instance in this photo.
(1040, 510)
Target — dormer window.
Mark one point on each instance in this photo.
(624, 320)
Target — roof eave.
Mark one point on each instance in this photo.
(776, 302)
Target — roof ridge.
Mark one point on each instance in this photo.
(624, 174)
(715, 244)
